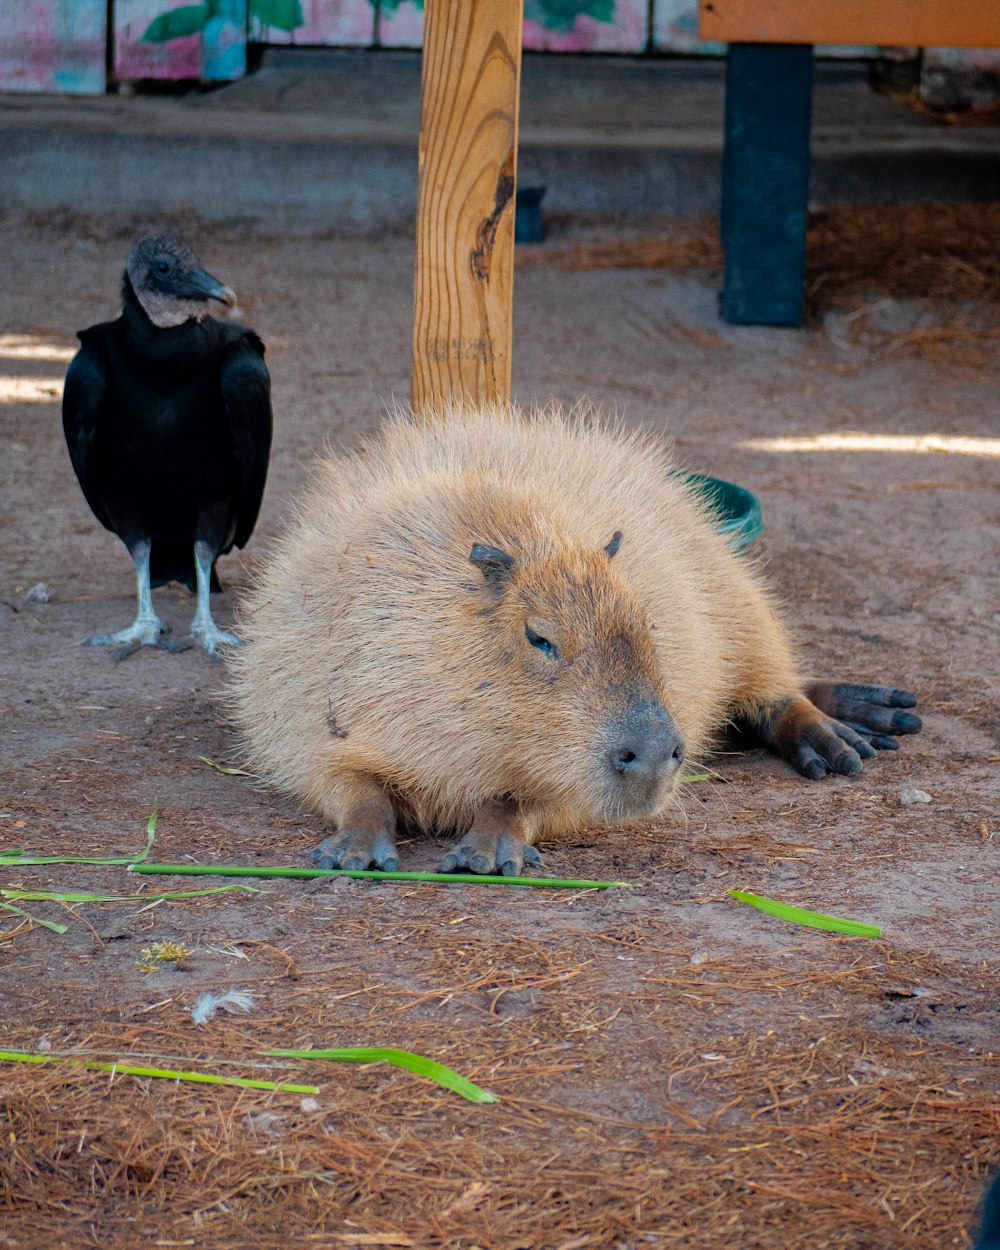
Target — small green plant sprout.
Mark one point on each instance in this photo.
(162, 952)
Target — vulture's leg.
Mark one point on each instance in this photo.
(203, 629)
(147, 627)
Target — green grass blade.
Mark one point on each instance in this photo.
(68, 896)
(18, 861)
(420, 1065)
(47, 924)
(202, 1078)
(814, 919)
(223, 768)
(696, 777)
(150, 832)
(444, 878)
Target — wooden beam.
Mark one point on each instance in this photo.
(465, 212)
(920, 23)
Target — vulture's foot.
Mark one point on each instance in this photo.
(210, 637)
(145, 631)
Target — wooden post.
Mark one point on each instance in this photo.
(465, 211)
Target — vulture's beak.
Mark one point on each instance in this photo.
(201, 285)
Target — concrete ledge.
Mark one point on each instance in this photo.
(328, 139)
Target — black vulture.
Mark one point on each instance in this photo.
(167, 416)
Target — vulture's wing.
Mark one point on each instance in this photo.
(82, 409)
(246, 389)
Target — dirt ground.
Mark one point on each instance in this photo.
(673, 1067)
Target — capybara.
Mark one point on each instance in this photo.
(511, 624)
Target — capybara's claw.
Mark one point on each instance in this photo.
(829, 746)
(487, 852)
(532, 857)
(354, 850)
(881, 742)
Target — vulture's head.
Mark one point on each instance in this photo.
(169, 282)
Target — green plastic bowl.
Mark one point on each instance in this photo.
(737, 509)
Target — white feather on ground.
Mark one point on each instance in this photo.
(233, 1001)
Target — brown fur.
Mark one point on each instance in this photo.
(384, 674)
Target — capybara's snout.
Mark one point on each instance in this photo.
(646, 752)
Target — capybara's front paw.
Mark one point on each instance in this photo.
(486, 851)
(358, 849)
(872, 711)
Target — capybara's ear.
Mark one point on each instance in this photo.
(494, 564)
(612, 547)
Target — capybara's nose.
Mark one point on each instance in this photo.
(649, 748)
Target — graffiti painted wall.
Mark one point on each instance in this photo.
(53, 45)
(549, 25)
(61, 45)
(350, 23)
(177, 39)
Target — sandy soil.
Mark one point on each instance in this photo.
(674, 1068)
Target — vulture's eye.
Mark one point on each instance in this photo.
(162, 266)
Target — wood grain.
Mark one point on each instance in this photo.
(465, 214)
(920, 23)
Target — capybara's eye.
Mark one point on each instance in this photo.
(541, 643)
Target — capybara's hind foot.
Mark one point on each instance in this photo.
(490, 846)
(837, 727)
(872, 711)
(358, 849)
